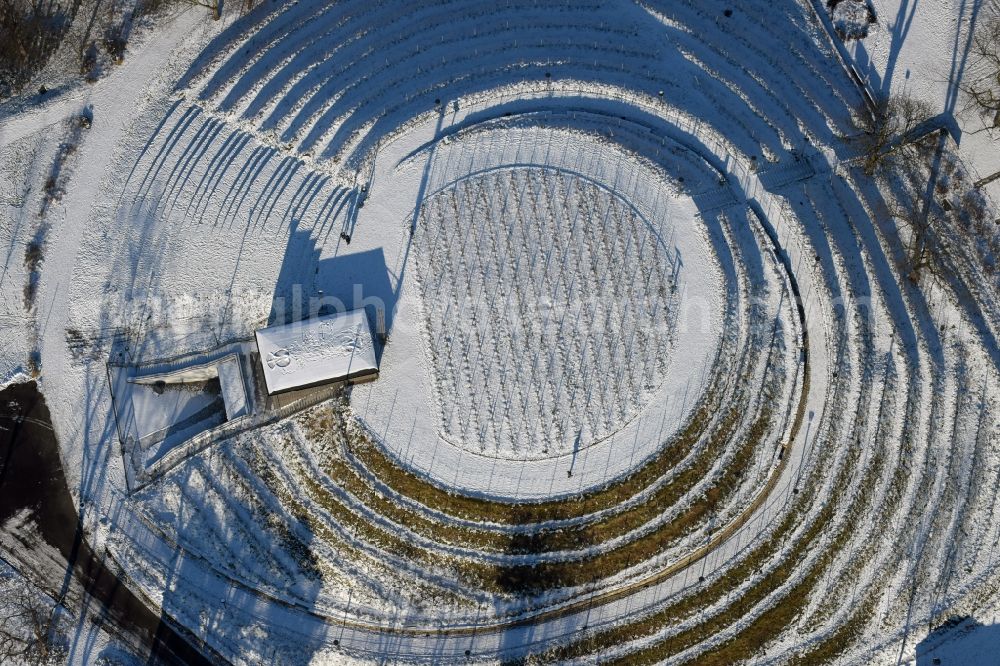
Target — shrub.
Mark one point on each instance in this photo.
(31, 32)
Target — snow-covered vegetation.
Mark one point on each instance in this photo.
(690, 355)
(852, 18)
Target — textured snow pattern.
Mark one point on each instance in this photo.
(548, 305)
(317, 350)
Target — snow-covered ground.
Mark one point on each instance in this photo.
(923, 50)
(656, 383)
(37, 630)
(529, 386)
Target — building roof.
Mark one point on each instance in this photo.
(233, 390)
(316, 351)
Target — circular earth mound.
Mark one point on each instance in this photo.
(658, 384)
(549, 303)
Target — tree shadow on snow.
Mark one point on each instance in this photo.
(959, 640)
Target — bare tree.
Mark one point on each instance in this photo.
(214, 5)
(920, 221)
(29, 625)
(981, 83)
(888, 127)
(29, 33)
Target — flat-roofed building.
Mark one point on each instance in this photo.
(321, 350)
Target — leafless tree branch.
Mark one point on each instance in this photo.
(981, 83)
(887, 127)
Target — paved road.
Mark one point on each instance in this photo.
(32, 481)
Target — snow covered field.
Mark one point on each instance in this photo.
(925, 52)
(544, 351)
(657, 384)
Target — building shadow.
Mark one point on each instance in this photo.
(310, 286)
